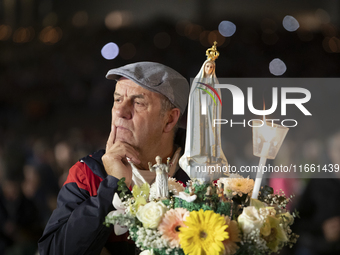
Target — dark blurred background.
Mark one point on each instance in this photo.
(55, 101)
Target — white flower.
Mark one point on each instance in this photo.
(151, 214)
(242, 186)
(225, 181)
(150, 238)
(237, 184)
(147, 252)
(174, 186)
(267, 211)
(249, 220)
(120, 209)
(186, 197)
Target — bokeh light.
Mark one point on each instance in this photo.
(80, 19)
(325, 44)
(290, 23)
(193, 31)
(114, 20)
(204, 38)
(162, 40)
(5, 32)
(23, 35)
(215, 36)
(181, 27)
(329, 30)
(323, 16)
(277, 67)
(50, 35)
(207, 39)
(110, 51)
(227, 28)
(117, 19)
(331, 44)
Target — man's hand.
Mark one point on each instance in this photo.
(114, 159)
(331, 229)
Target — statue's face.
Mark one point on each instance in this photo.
(209, 68)
(158, 160)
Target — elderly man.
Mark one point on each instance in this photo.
(148, 101)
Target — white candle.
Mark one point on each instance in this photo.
(259, 174)
(265, 149)
(258, 180)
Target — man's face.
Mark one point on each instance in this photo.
(136, 114)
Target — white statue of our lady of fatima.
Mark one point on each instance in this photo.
(203, 140)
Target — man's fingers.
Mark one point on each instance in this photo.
(116, 163)
(132, 157)
(111, 138)
(131, 153)
(122, 150)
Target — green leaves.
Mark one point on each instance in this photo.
(122, 188)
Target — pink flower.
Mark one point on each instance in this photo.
(230, 246)
(170, 224)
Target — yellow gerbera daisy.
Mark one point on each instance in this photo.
(204, 233)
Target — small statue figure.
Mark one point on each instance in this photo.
(191, 189)
(161, 176)
(220, 192)
(209, 192)
(208, 196)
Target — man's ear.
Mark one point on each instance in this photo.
(172, 118)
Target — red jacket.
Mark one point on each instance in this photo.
(76, 225)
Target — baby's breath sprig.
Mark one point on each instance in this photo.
(278, 199)
(122, 189)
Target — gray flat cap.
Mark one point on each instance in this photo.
(156, 78)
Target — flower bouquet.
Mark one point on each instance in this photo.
(213, 218)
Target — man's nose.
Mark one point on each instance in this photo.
(123, 109)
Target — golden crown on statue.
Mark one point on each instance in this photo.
(212, 52)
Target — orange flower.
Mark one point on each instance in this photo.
(230, 246)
